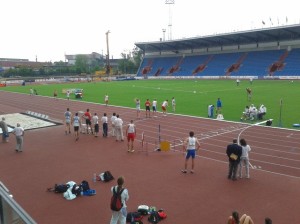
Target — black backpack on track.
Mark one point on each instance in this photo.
(59, 188)
(84, 186)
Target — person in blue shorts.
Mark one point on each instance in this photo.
(191, 145)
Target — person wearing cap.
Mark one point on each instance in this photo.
(19, 133)
(4, 128)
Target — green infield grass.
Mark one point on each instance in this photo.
(192, 96)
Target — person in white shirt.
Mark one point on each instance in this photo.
(261, 112)
(120, 216)
(154, 105)
(138, 108)
(119, 128)
(68, 94)
(173, 104)
(95, 121)
(130, 133)
(253, 112)
(76, 125)
(246, 114)
(164, 107)
(244, 160)
(104, 121)
(106, 99)
(191, 145)
(19, 133)
(68, 117)
(113, 127)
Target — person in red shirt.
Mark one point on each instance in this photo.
(147, 105)
(88, 117)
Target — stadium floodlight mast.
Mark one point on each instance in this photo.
(107, 56)
(170, 3)
(164, 34)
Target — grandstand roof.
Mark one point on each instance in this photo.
(272, 34)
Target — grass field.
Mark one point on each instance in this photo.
(192, 96)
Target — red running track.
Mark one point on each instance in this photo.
(153, 178)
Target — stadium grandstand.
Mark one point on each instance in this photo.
(270, 53)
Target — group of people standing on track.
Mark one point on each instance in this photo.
(238, 155)
(89, 124)
(148, 104)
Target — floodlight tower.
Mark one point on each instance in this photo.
(170, 3)
(164, 34)
(107, 56)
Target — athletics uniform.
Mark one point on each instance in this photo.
(164, 106)
(131, 132)
(154, 103)
(191, 148)
(76, 122)
(68, 115)
(88, 118)
(147, 105)
(138, 105)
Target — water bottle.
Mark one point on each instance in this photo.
(94, 178)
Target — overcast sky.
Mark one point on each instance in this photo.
(49, 29)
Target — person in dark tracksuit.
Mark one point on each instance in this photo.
(234, 152)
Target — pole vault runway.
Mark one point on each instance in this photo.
(152, 178)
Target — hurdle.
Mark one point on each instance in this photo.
(143, 144)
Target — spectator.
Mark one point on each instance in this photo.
(4, 129)
(235, 219)
(19, 133)
(120, 216)
(104, 120)
(234, 152)
(119, 128)
(113, 127)
(95, 121)
(268, 221)
(244, 158)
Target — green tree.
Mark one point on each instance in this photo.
(129, 64)
(81, 64)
